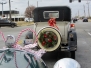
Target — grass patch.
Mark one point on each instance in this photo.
(89, 20)
(23, 23)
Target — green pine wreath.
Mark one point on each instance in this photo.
(48, 39)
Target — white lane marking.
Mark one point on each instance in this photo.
(84, 42)
(89, 33)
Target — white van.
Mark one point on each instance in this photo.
(28, 19)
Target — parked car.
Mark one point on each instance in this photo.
(4, 22)
(66, 36)
(85, 20)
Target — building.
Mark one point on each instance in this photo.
(14, 15)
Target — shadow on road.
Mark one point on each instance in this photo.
(51, 58)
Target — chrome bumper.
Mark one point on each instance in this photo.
(67, 48)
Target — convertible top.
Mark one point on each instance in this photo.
(64, 13)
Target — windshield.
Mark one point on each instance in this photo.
(70, 20)
(12, 60)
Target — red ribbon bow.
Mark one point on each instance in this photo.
(52, 23)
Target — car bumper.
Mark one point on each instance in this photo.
(67, 48)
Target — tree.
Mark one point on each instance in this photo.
(28, 11)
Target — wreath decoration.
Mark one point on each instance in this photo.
(48, 39)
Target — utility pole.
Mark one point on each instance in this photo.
(37, 3)
(28, 8)
(2, 7)
(88, 9)
(28, 3)
(10, 9)
(78, 13)
(84, 11)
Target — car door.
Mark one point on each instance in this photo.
(1, 23)
(6, 23)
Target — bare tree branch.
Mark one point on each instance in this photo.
(28, 11)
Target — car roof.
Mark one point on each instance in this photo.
(64, 13)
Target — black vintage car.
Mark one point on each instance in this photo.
(66, 36)
(4, 22)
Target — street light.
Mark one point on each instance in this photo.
(2, 7)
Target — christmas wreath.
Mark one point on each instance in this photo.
(48, 39)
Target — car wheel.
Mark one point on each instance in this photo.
(12, 26)
(72, 54)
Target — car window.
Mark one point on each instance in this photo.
(47, 14)
(1, 20)
(6, 21)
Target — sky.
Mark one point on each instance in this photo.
(21, 5)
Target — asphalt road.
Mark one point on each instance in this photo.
(83, 53)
